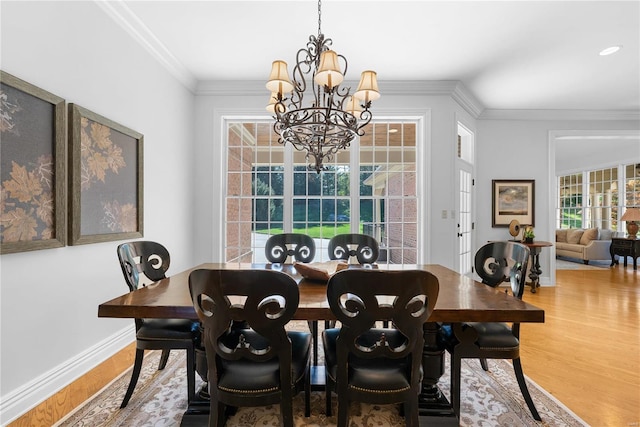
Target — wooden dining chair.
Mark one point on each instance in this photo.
(263, 364)
(142, 263)
(281, 247)
(361, 246)
(495, 263)
(377, 365)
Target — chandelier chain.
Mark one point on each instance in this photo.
(319, 16)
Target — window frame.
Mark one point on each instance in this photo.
(419, 159)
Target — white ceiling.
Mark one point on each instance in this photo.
(508, 54)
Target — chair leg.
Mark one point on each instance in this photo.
(455, 384)
(163, 359)
(286, 412)
(343, 412)
(137, 366)
(191, 374)
(327, 401)
(217, 413)
(313, 327)
(517, 367)
(411, 412)
(484, 364)
(307, 393)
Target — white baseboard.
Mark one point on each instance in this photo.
(26, 397)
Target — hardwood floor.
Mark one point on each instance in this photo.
(586, 354)
(56, 407)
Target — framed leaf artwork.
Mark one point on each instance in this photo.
(32, 167)
(106, 185)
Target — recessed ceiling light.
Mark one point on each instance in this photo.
(393, 130)
(610, 50)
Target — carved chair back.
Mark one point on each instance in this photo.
(143, 262)
(366, 248)
(279, 247)
(497, 262)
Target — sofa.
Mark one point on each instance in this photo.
(585, 244)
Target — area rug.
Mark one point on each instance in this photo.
(571, 264)
(488, 399)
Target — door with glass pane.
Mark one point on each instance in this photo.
(464, 203)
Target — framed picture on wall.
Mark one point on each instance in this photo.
(32, 167)
(512, 199)
(106, 186)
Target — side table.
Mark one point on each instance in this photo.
(534, 249)
(624, 248)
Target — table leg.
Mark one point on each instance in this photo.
(434, 406)
(534, 275)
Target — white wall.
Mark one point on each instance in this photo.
(50, 332)
(589, 154)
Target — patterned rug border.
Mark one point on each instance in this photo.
(488, 398)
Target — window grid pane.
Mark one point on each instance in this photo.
(320, 204)
(602, 198)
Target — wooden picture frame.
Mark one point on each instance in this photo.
(512, 199)
(106, 181)
(33, 167)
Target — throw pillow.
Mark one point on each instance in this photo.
(606, 234)
(574, 235)
(589, 235)
(561, 235)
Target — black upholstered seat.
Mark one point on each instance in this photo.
(262, 364)
(494, 262)
(344, 246)
(280, 247)
(144, 262)
(377, 365)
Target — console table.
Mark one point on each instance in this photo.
(624, 248)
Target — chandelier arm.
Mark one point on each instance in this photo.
(342, 94)
(365, 118)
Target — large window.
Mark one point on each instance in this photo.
(570, 201)
(592, 198)
(370, 188)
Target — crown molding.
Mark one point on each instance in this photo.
(454, 89)
(128, 20)
(123, 16)
(492, 114)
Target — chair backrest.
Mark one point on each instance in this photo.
(265, 299)
(281, 246)
(367, 249)
(360, 297)
(143, 262)
(496, 262)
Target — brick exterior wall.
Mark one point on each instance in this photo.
(239, 206)
(402, 224)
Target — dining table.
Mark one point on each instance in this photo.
(460, 299)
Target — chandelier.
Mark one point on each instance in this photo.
(333, 117)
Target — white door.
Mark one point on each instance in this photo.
(465, 201)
